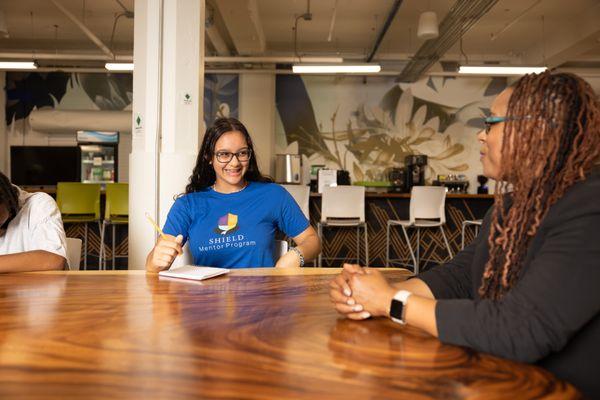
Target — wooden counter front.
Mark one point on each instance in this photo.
(255, 334)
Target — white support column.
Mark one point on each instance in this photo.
(167, 107)
(257, 113)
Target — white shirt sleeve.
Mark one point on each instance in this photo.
(46, 226)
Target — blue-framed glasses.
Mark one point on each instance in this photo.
(490, 121)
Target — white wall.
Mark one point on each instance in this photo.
(257, 113)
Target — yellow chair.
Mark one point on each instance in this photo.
(116, 212)
(79, 203)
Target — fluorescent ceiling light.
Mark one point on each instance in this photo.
(17, 65)
(499, 70)
(119, 66)
(336, 69)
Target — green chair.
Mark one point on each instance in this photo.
(79, 203)
(116, 212)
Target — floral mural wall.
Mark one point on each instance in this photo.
(26, 91)
(368, 125)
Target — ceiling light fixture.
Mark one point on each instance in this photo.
(499, 70)
(428, 25)
(336, 69)
(119, 66)
(18, 65)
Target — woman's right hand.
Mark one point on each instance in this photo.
(162, 256)
(340, 293)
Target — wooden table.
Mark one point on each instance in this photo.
(254, 334)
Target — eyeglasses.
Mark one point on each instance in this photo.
(226, 156)
(490, 121)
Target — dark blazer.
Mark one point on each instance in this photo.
(551, 316)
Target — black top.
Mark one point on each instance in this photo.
(551, 316)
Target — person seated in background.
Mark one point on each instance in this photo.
(230, 211)
(527, 288)
(32, 236)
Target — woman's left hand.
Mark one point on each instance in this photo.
(372, 291)
(291, 259)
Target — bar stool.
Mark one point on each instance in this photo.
(79, 203)
(116, 212)
(426, 204)
(476, 223)
(343, 207)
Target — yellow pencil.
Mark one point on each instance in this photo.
(155, 225)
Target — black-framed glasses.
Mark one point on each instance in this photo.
(491, 121)
(227, 156)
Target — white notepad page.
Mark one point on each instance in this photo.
(193, 272)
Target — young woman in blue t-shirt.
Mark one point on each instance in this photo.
(230, 211)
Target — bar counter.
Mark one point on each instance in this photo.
(381, 207)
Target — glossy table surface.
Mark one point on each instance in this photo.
(253, 334)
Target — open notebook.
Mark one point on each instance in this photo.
(193, 272)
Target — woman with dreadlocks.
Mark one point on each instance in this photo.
(527, 288)
(32, 237)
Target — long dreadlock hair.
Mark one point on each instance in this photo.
(551, 143)
(9, 196)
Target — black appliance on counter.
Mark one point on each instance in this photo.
(453, 184)
(415, 170)
(397, 179)
(482, 189)
(343, 177)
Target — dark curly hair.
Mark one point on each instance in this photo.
(542, 157)
(203, 175)
(9, 197)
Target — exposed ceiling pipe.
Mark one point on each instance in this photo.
(307, 16)
(461, 17)
(65, 56)
(384, 29)
(85, 29)
(129, 58)
(274, 60)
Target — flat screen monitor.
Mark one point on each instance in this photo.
(44, 165)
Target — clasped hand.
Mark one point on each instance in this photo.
(359, 293)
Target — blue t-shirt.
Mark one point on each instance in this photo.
(235, 230)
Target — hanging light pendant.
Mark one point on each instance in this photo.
(428, 25)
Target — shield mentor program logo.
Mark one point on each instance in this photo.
(228, 223)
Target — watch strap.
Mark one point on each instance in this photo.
(295, 249)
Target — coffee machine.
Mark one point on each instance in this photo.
(415, 170)
(397, 178)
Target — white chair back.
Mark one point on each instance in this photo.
(281, 247)
(428, 202)
(300, 193)
(73, 253)
(343, 202)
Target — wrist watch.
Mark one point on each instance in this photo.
(398, 306)
(295, 250)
